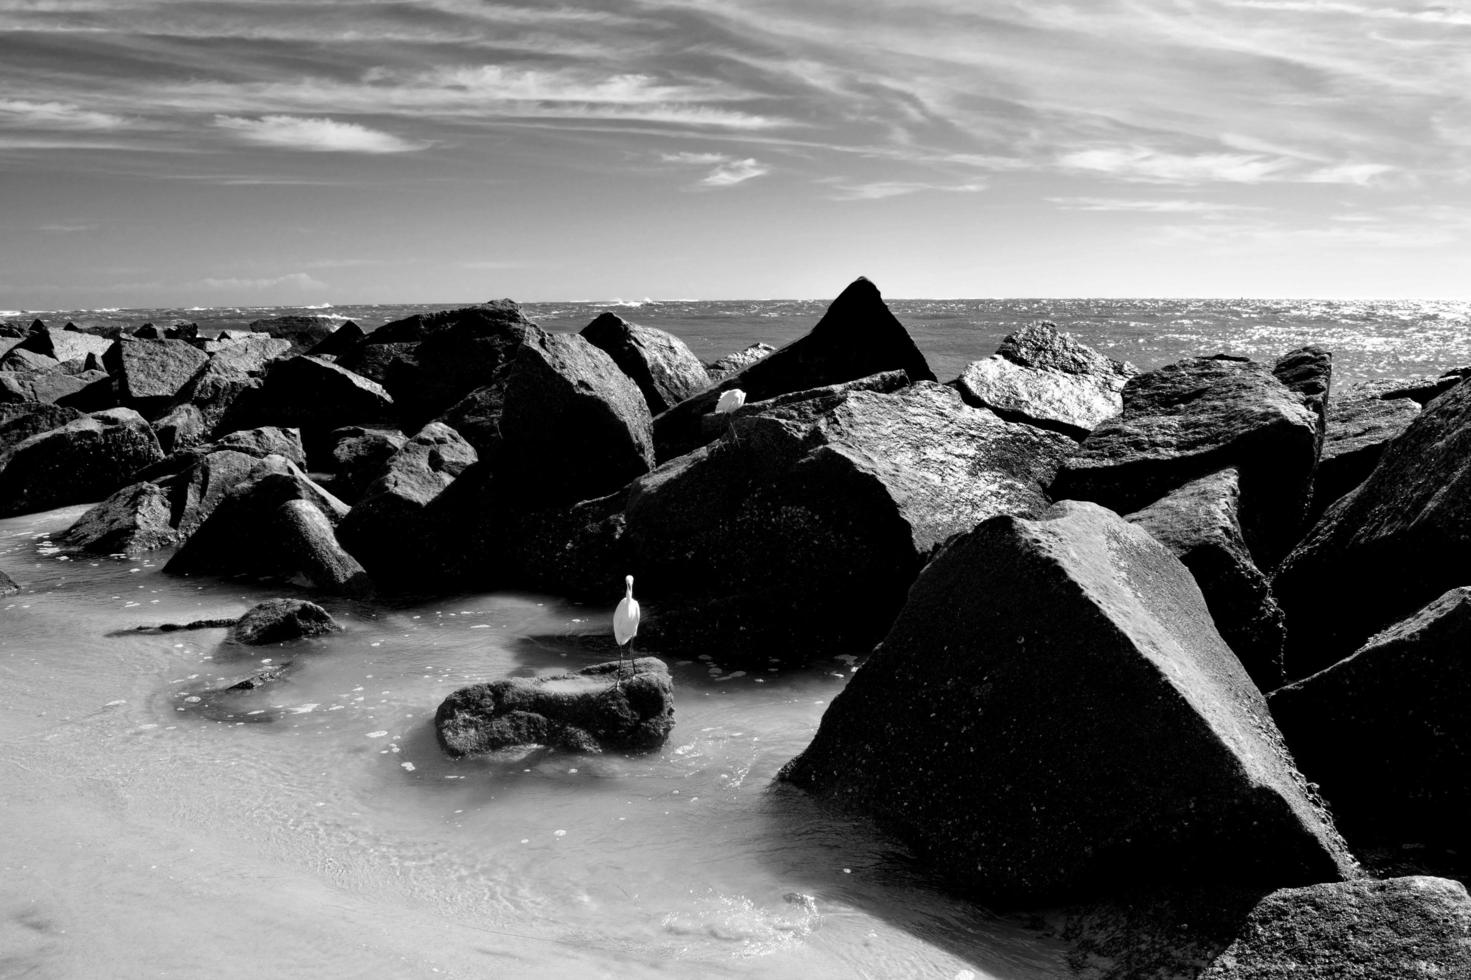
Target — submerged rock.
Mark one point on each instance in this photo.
(594, 709)
(1193, 418)
(856, 337)
(82, 460)
(1047, 379)
(280, 621)
(7, 585)
(1200, 526)
(1385, 732)
(662, 365)
(1054, 714)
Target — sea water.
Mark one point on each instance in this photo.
(312, 828)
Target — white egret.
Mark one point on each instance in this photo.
(730, 401)
(625, 623)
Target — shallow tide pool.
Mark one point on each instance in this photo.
(312, 828)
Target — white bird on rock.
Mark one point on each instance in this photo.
(730, 401)
(625, 623)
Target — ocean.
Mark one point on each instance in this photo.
(1368, 338)
(326, 836)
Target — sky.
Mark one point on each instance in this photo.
(254, 152)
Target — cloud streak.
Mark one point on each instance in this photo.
(317, 135)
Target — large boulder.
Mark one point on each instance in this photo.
(21, 420)
(1054, 714)
(65, 345)
(1048, 379)
(302, 331)
(309, 393)
(662, 365)
(28, 361)
(51, 386)
(150, 373)
(1385, 732)
(181, 427)
(1389, 547)
(1308, 373)
(233, 369)
(796, 534)
(339, 341)
(1193, 418)
(82, 460)
(1360, 424)
(280, 621)
(386, 529)
(1199, 523)
(308, 553)
(1353, 930)
(856, 337)
(359, 456)
(605, 706)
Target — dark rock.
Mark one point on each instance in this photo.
(302, 331)
(856, 337)
(1199, 524)
(1389, 547)
(715, 424)
(79, 461)
(280, 621)
(662, 365)
(1196, 417)
(1047, 379)
(1422, 389)
(43, 386)
(309, 392)
(387, 529)
(583, 711)
(1385, 732)
(29, 419)
(64, 344)
(260, 678)
(339, 341)
(179, 330)
(28, 361)
(739, 361)
(150, 373)
(1360, 424)
(359, 456)
(7, 585)
(148, 331)
(233, 369)
(797, 534)
(1054, 714)
(94, 391)
(1372, 930)
(182, 427)
(1308, 373)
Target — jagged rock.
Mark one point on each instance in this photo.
(28, 361)
(1387, 548)
(1370, 930)
(1053, 714)
(1199, 524)
(1192, 418)
(339, 341)
(584, 711)
(662, 365)
(233, 369)
(308, 553)
(7, 585)
(360, 455)
(301, 331)
(43, 386)
(150, 373)
(148, 331)
(95, 392)
(26, 419)
(856, 337)
(739, 361)
(1360, 424)
(258, 443)
(716, 424)
(64, 344)
(309, 393)
(280, 621)
(79, 461)
(182, 427)
(386, 529)
(1385, 732)
(1048, 379)
(1422, 389)
(1308, 373)
(798, 532)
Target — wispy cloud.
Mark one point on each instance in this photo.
(725, 170)
(320, 135)
(1174, 206)
(294, 280)
(65, 116)
(64, 228)
(877, 190)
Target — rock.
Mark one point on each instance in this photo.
(182, 427)
(302, 331)
(308, 553)
(94, 392)
(7, 585)
(28, 361)
(233, 369)
(1308, 373)
(65, 345)
(308, 392)
(1053, 714)
(796, 535)
(148, 331)
(339, 341)
(583, 711)
(79, 461)
(1422, 389)
(717, 423)
(739, 361)
(360, 455)
(26, 419)
(1400, 928)
(662, 365)
(856, 337)
(258, 443)
(387, 530)
(1193, 418)
(1047, 379)
(1198, 523)
(1385, 732)
(150, 373)
(1389, 547)
(46, 386)
(1359, 426)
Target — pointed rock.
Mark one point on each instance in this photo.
(662, 365)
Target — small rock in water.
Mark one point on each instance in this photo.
(279, 620)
